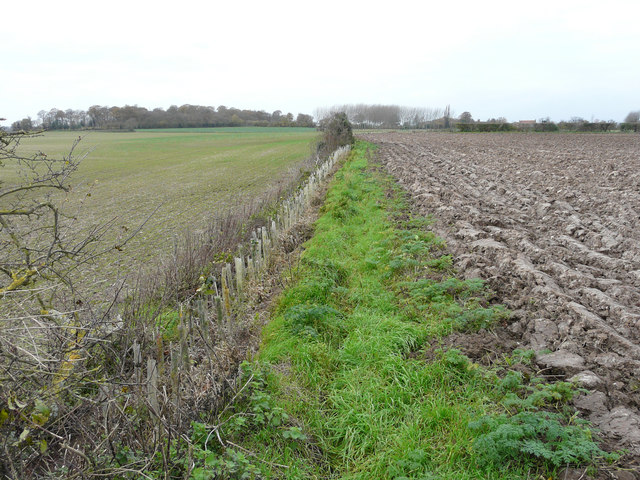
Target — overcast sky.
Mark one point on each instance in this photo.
(518, 59)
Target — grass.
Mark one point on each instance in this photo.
(189, 175)
(340, 389)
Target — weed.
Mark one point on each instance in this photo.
(413, 465)
(476, 318)
(524, 357)
(168, 323)
(551, 439)
(443, 263)
(254, 414)
(430, 291)
(538, 435)
(537, 395)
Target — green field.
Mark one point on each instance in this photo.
(189, 175)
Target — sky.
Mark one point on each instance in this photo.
(515, 59)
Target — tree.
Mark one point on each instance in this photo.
(276, 117)
(337, 132)
(447, 116)
(32, 223)
(236, 121)
(632, 117)
(303, 120)
(465, 117)
(25, 125)
(42, 115)
(99, 117)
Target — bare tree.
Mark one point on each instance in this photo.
(633, 117)
(447, 116)
(31, 221)
(48, 329)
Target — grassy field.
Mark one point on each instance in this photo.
(188, 175)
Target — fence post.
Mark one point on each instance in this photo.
(226, 294)
(219, 309)
(266, 244)
(160, 353)
(184, 345)
(203, 313)
(250, 269)
(175, 378)
(239, 264)
(137, 363)
(152, 387)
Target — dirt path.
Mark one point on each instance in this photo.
(552, 222)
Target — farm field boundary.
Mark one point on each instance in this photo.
(140, 372)
(355, 378)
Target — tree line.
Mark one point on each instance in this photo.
(466, 123)
(390, 116)
(131, 117)
(359, 115)
(396, 116)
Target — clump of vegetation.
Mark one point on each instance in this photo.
(459, 305)
(539, 435)
(254, 412)
(538, 425)
(554, 438)
(314, 321)
(337, 132)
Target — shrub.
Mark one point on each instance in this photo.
(337, 132)
(546, 127)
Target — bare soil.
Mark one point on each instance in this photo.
(552, 223)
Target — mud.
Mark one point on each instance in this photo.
(552, 223)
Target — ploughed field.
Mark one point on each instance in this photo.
(552, 222)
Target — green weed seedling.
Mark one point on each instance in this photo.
(476, 318)
(413, 465)
(441, 264)
(314, 321)
(458, 305)
(232, 465)
(524, 357)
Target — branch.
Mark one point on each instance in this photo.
(29, 211)
(33, 187)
